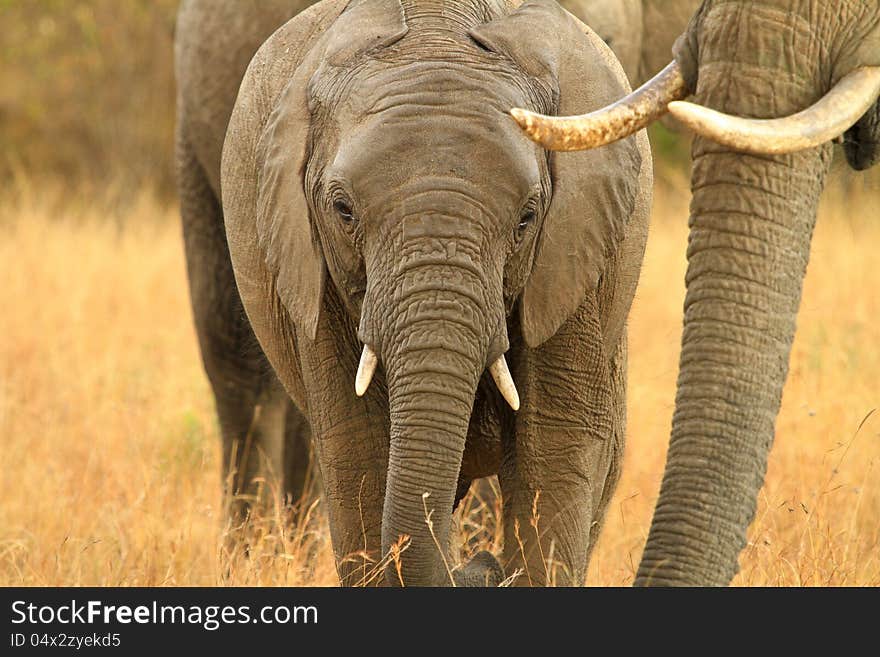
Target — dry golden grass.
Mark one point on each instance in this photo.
(111, 454)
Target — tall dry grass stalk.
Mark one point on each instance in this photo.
(111, 469)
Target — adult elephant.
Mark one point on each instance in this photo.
(265, 437)
(756, 183)
(640, 32)
(402, 262)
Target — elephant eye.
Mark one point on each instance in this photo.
(526, 219)
(343, 209)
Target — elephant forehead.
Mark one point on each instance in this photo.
(403, 146)
(382, 84)
(438, 118)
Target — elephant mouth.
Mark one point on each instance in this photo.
(498, 369)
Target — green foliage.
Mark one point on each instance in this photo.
(87, 90)
(672, 149)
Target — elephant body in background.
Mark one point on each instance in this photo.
(774, 82)
(752, 219)
(265, 437)
(370, 201)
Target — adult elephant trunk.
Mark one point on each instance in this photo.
(752, 219)
(434, 350)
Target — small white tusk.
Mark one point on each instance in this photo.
(504, 381)
(366, 369)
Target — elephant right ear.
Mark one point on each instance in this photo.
(594, 191)
(273, 241)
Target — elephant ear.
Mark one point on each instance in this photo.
(594, 192)
(267, 148)
(862, 142)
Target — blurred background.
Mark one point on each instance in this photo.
(87, 96)
(87, 91)
(107, 426)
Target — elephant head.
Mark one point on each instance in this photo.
(803, 72)
(365, 177)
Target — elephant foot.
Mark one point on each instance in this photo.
(482, 570)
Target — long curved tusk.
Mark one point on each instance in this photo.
(829, 118)
(605, 126)
(366, 369)
(504, 381)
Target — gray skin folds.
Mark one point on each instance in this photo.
(372, 193)
(751, 222)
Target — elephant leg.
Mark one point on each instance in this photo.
(252, 427)
(617, 377)
(352, 458)
(560, 466)
(301, 481)
(350, 442)
(251, 404)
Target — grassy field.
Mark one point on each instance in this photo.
(111, 453)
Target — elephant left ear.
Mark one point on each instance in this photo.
(594, 192)
(862, 142)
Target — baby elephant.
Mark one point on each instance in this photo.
(442, 299)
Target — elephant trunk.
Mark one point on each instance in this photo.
(434, 351)
(431, 394)
(752, 219)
